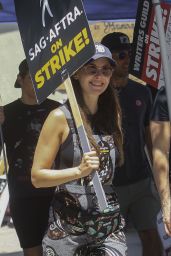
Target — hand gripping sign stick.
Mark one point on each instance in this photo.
(4, 197)
(84, 140)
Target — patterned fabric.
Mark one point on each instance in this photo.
(79, 212)
(76, 225)
(114, 245)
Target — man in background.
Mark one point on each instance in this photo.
(21, 123)
(133, 180)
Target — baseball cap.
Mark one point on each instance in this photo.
(116, 41)
(103, 52)
(23, 70)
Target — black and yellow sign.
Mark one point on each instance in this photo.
(56, 39)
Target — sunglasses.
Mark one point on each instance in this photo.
(123, 55)
(93, 71)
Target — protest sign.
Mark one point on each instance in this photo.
(56, 38)
(146, 53)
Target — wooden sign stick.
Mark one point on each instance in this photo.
(84, 142)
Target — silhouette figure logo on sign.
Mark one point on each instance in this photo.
(45, 6)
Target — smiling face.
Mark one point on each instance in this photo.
(94, 77)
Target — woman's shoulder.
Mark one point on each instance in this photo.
(63, 112)
(56, 120)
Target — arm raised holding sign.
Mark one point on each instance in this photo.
(75, 209)
(48, 148)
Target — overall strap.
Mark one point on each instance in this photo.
(69, 118)
(71, 124)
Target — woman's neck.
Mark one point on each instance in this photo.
(91, 103)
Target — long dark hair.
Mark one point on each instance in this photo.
(107, 119)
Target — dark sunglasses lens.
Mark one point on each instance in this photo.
(91, 70)
(94, 71)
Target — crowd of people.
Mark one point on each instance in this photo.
(53, 203)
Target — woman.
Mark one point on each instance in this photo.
(76, 226)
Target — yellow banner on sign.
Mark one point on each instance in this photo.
(102, 28)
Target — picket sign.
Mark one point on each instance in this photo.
(65, 43)
(4, 199)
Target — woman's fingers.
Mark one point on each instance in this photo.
(90, 162)
(91, 159)
(91, 153)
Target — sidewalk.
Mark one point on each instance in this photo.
(9, 244)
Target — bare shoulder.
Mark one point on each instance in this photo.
(57, 113)
(56, 122)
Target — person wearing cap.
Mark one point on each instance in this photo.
(76, 224)
(133, 180)
(21, 124)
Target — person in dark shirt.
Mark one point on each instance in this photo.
(133, 180)
(23, 119)
(153, 91)
(161, 137)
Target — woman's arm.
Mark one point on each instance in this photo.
(54, 132)
(160, 132)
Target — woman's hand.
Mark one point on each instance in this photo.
(89, 163)
(2, 117)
